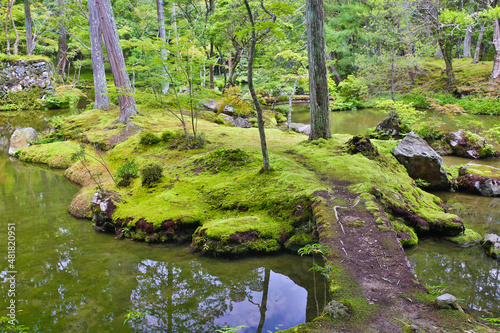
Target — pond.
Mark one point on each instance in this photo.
(359, 121)
(71, 278)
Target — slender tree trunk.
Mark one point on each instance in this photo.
(318, 80)
(290, 99)
(495, 73)
(478, 45)
(8, 14)
(101, 101)
(467, 42)
(211, 66)
(16, 41)
(116, 60)
(29, 34)
(62, 53)
(258, 108)
(450, 76)
(333, 69)
(393, 56)
(163, 38)
(263, 303)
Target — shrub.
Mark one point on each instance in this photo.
(167, 136)
(126, 173)
(222, 159)
(149, 139)
(151, 174)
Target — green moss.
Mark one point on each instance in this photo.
(406, 235)
(468, 237)
(149, 139)
(55, 154)
(480, 170)
(297, 241)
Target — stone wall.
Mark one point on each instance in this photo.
(17, 75)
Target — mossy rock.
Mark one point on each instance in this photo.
(468, 237)
(222, 159)
(406, 235)
(297, 241)
(363, 145)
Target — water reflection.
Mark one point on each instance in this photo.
(72, 279)
(467, 272)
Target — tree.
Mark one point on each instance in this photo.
(116, 59)
(318, 80)
(30, 44)
(163, 38)
(100, 85)
(62, 52)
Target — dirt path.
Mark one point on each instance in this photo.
(377, 277)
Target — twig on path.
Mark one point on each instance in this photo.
(337, 215)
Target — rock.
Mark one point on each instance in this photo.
(17, 75)
(491, 245)
(300, 128)
(103, 207)
(479, 179)
(469, 145)
(211, 105)
(20, 138)
(241, 122)
(467, 238)
(228, 109)
(360, 144)
(421, 161)
(447, 301)
(390, 126)
(336, 310)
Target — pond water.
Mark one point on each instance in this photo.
(359, 121)
(71, 278)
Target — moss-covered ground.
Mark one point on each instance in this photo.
(218, 198)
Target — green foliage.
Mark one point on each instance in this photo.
(6, 327)
(167, 136)
(64, 97)
(149, 139)
(28, 99)
(436, 290)
(493, 134)
(407, 113)
(234, 97)
(126, 173)
(417, 98)
(429, 129)
(493, 321)
(151, 174)
(351, 93)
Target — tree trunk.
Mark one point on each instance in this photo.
(450, 76)
(478, 45)
(263, 303)
(467, 42)
(29, 34)
(258, 108)
(211, 66)
(101, 100)
(333, 69)
(318, 81)
(8, 14)
(290, 99)
(116, 60)
(163, 38)
(495, 73)
(62, 52)
(230, 66)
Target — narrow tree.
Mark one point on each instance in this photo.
(116, 60)
(478, 44)
(101, 100)
(258, 108)
(62, 52)
(163, 38)
(495, 73)
(30, 44)
(318, 80)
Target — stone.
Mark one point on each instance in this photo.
(479, 179)
(447, 301)
(211, 105)
(421, 161)
(228, 109)
(103, 207)
(469, 145)
(300, 128)
(20, 139)
(491, 245)
(241, 122)
(390, 126)
(17, 75)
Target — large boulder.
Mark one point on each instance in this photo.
(469, 145)
(390, 126)
(20, 139)
(241, 122)
(479, 179)
(421, 161)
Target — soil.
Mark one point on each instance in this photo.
(373, 256)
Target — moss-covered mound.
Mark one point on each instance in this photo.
(217, 198)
